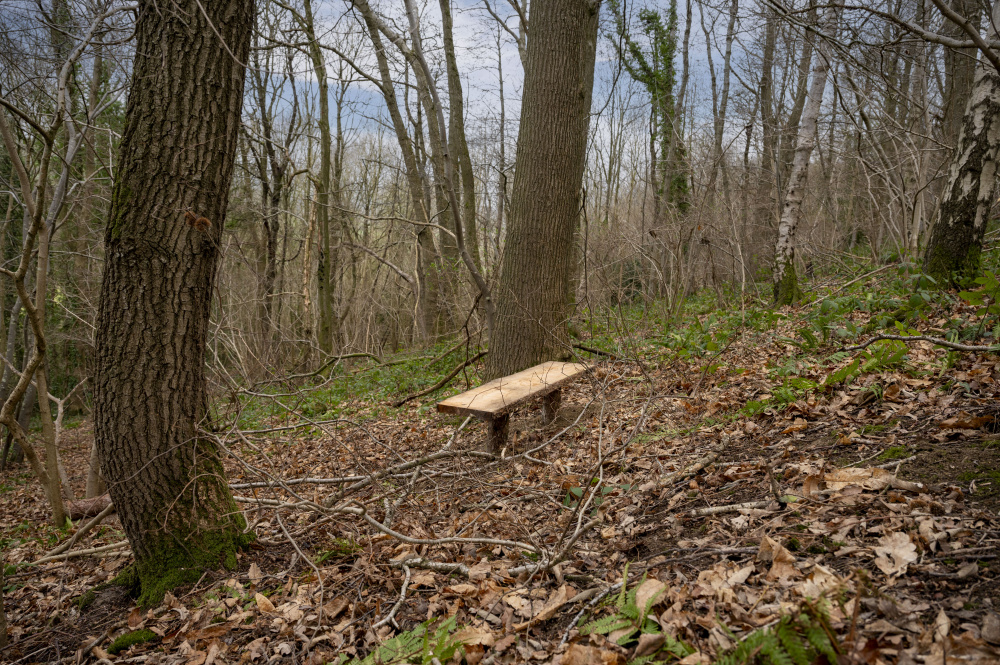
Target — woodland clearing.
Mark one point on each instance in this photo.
(732, 469)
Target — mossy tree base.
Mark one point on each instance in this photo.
(786, 289)
(149, 579)
(954, 263)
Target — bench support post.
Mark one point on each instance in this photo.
(550, 405)
(497, 429)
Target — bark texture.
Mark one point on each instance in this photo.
(162, 247)
(786, 286)
(533, 292)
(953, 252)
(3, 614)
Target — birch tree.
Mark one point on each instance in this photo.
(786, 286)
(956, 242)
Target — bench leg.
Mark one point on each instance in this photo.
(497, 429)
(550, 405)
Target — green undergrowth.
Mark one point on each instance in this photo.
(698, 330)
(356, 385)
(800, 638)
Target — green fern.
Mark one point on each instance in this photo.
(632, 619)
(794, 640)
(420, 645)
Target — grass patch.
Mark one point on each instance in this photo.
(875, 429)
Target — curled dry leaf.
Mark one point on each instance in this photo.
(649, 643)
(781, 560)
(474, 636)
(552, 605)
(942, 625)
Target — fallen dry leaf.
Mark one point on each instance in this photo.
(552, 605)
(578, 654)
(263, 603)
(781, 560)
(896, 552)
(649, 643)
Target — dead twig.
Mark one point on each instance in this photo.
(923, 338)
(443, 382)
(80, 533)
(395, 608)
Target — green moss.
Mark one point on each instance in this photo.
(120, 196)
(875, 429)
(86, 600)
(953, 268)
(174, 565)
(130, 639)
(895, 452)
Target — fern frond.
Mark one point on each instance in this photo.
(605, 625)
(793, 644)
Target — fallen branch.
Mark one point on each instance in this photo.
(922, 338)
(443, 382)
(78, 510)
(80, 533)
(888, 464)
(732, 508)
(395, 608)
(596, 352)
(853, 281)
(436, 566)
(689, 470)
(94, 550)
(322, 368)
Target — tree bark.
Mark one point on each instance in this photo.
(956, 243)
(532, 294)
(325, 261)
(456, 135)
(162, 247)
(3, 613)
(959, 71)
(786, 287)
(426, 271)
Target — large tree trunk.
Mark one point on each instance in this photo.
(532, 295)
(953, 253)
(786, 286)
(162, 247)
(426, 272)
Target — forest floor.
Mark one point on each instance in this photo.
(763, 492)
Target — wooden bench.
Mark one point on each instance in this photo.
(493, 401)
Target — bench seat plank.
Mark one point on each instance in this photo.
(499, 396)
